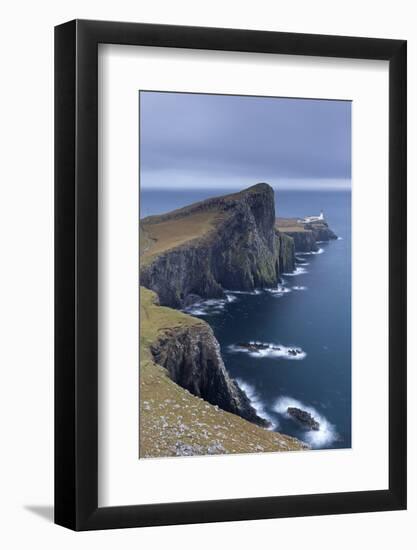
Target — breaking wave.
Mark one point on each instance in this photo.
(299, 288)
(298, 271)
(209, 307)
(278, 291)
(319, 251)
(257, 403)
(323, 437)
(247, 292)
(260, 350)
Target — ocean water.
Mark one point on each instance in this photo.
(310, 310)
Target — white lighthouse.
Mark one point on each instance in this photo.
(310, 219)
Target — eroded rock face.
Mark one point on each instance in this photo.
(286, 252)
(321, 231)
(306, 240)
(243, 251)
(192, 358)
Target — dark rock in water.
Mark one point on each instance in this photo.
(257, 347)
(294, 351)
(304, 418)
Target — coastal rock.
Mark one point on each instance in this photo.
(305, 235)
(321, 231)
(256, 347)
(304, 241)
(192, 358)
(286, 252)
(304, 418)
(241, 249)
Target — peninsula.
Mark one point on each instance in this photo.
(189, 403)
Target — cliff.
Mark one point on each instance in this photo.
(227, 242)
(192, 358)
(286, 252)
(305, 235)
(186, 395)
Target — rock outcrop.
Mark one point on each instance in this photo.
(304, 241)
(305, 235)
(304, 418)
(242, 249)
(192, 358)
(286, 252)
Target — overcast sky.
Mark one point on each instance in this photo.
(199, 140)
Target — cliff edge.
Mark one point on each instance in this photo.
(227, 242)
(188, 403)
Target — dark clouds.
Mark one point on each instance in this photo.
(235, 138)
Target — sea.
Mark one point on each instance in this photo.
(309, 310)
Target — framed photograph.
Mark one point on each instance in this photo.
(230, 235)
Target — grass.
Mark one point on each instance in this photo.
(290, 225)
(155, 319)
(166, 234)
(174, 422)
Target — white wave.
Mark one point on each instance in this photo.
(273, 350)
(230, 298)
(247, 292)
(312, 253)
(322, 437)
(339, 239)
(298, 271)
(299, 288)
(279, 291)
(209, 307)
(257, 403)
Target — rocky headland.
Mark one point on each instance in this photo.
(199, 252)
(305, 235)
(188, 403)
(228, 242)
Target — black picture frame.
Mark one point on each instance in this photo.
(76, 272)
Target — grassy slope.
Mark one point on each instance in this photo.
(164, 232)
(174, 422)
(159, 234)
(290, 225)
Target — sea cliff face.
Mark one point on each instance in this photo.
(305, 235)
(286, 252)
(186, 393)
(241, 250)
(192, 358)
(195, 253)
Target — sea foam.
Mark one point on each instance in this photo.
(322, 437)
(271, 351)
(247, 292)
(278, 291)
(298, 271)
(209, 307)
(257, 403)
(312, 253)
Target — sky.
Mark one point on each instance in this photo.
(224, 141)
